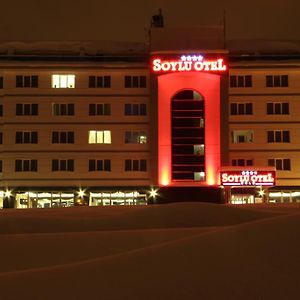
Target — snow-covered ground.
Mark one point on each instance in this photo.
(175, 251)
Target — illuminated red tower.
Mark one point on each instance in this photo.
(190, 105)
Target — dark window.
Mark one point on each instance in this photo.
(143, 81)
(136, 165)
(27, 81)
(0, 166)
(1, 110)
(143, 109)
(1, 82)
(278, 136)
(233, 81)
(63, 137)
(99, 165)
(280, 164)
(99, 81)
(135, 81)
(92, 165)
(55, 165)
(127, 81)
(277, 81)
(248, 81)
(269, 81)
(240, 81)
(1, 138)
(270, 137)
(63, 165)
(63, 109)
(233, 109)
(278, 108)
(26, 109)
(241, 109)
(92, 81)
(26, 137)
(143, 165)
(285, 80)
(135, 110)
(26, 165)
(19, 81)
(127, 164)
(99, 109)
(34, 81)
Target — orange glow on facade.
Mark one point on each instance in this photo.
(208, 85)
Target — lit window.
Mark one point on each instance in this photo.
(199, 176)
(135, 137)
(100, 137)
(199, 149)
(242, 136)
(63, 81)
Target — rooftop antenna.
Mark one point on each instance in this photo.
(157, 20)
(224, 28)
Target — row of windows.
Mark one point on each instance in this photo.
(137, 137)
(237, 81)
(273, 108)
(104, 109)
(68, 109)
(68, 137)
(69, 81)
(273, 136)
(31, 165)
(68, 165)
(283, 164)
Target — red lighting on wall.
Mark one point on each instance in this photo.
(248, 178)
(208, 85)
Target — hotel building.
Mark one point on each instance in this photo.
(85, 127)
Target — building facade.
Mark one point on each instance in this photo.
(110, 129)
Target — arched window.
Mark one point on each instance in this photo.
(188, 140)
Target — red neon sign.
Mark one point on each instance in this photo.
(188, 63)
(248, 178)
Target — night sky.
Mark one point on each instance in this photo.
(129, 19)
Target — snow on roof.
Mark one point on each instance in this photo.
(89, 48)
(94, 48)
(263, 47)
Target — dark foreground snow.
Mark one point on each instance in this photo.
(175, 251)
